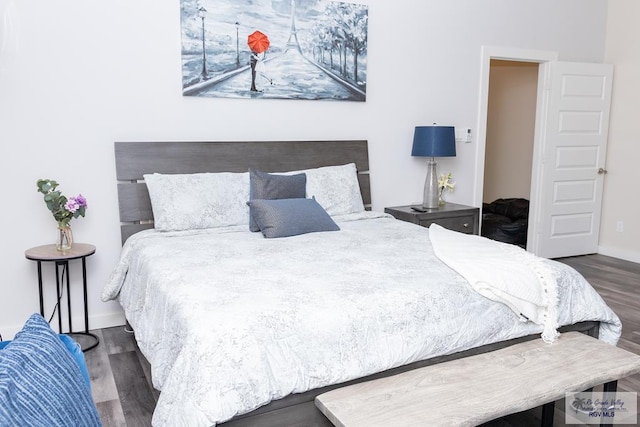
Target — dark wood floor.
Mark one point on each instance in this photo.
(120, 375)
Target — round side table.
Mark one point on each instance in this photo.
(49, 253)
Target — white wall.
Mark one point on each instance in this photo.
(621, 198)
(75, 76)
(511, 117)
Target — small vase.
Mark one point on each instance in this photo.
(441, 201)
(64, 240)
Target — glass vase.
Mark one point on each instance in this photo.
(441, 201)
(64, 240)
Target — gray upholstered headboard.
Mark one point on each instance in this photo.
(133, 159)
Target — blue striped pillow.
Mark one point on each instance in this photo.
(40, 382)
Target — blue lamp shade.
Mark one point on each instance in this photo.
(434, 141)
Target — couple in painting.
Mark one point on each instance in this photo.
(258, 43)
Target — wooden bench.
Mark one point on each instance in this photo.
(480, 388)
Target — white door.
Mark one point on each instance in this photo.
(570, 180)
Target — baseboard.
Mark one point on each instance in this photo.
(95, 322)
(632, 256)
(107, 320)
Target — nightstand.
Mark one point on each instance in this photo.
(49, 253)
(465, 219)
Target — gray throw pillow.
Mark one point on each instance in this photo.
(267, 186)
(290, 217)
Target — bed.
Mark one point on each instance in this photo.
(244, 330)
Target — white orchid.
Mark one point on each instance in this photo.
(445, 182)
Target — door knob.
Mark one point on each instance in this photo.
(602, 171)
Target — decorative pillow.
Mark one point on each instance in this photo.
(73, 348)
(336, 188)
(290, 217)
(78, 356)
(41, 383)
(199, 200)
(270, 187)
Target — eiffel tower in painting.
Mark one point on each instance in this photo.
(293, 43)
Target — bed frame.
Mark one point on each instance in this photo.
(133, 159)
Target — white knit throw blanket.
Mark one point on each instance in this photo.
(504, 273)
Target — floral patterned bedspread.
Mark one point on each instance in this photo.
(230, 320)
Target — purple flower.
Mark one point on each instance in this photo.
(75, 203)
(82, 202)
(72, 205)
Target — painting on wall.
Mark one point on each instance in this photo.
(274, 49)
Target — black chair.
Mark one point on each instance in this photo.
(506, 220)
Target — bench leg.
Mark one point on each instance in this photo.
(609, 388)
(547, 414)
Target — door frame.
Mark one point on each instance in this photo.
(543, 58)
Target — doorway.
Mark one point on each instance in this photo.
(569, 150)
(511, 119)
(507, 56)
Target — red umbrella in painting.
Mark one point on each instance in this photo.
(258, 42)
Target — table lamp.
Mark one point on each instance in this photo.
(433, 141)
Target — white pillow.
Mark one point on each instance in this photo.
(335, 188)
(199, 200)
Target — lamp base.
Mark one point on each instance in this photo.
(431, 198)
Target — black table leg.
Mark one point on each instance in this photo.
(40, 288)
(60, 284)
(84, 286)
(547, 414)
(86, 309)
(66, 268)
(58, 295)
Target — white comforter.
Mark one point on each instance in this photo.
(230, 321)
